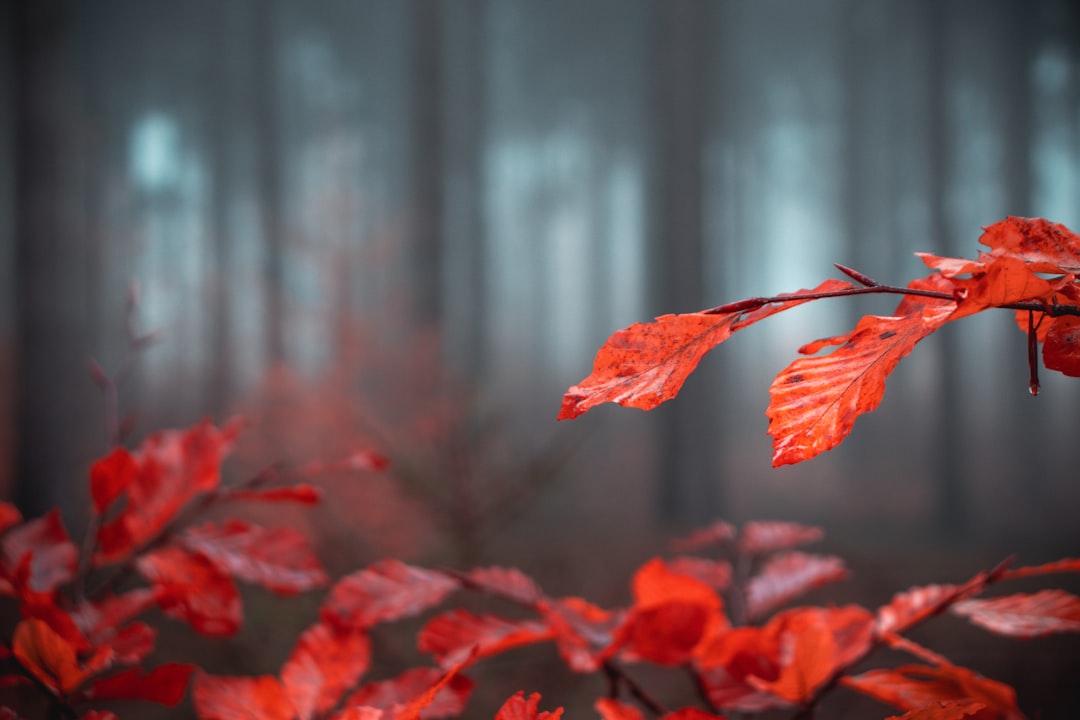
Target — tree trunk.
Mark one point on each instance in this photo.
(688, 486)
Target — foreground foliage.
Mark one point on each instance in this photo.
(711, 608)
(717, 607)
(1031, 268)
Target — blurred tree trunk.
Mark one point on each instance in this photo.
(53, 383)
(952, 516)
(465, 123)
(689, 487)
(267, 142)
(426, 159)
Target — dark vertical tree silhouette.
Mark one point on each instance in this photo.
(687, 484)
(267, 142)
(426, 176)
(49, 306)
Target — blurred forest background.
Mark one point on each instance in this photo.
(409, 224)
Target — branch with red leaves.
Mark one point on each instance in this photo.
(816, 400)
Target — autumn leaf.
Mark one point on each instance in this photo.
(913, 687)
(191, 588)
(449, 701)
(219, 697)
(44, 540)
(758, 537)
(388, 590)
(1024, 615)
(1045, 246)
(787, 576)
(279, 559)
(110, 477)
(672, 613)
(302, 493)
(646, 364)
(1061, 349)
(327, 661)
(714, 573)
(52, 659)
(717, 532)
(584, 633)
(612, 709)
(520, 708)
(452, 636)
(166, 685)
(9, 516)
(1058, 566)
(945, 710)
(174, 467)
(510, 583)
(414, 709)
(815, 401)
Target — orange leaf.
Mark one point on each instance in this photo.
(518, 708)
(764, 536)
(166, 685)
(646, 364)
(388, 590)
(1061, 351)
(454, 635)
(449, 701)
(191, 588)
(327, 661)
(1024, 615)
(787, 576)
(1047, 247)
(815, 401)
(279, 559)
(51, 658)
(912, 687)
(219, 697)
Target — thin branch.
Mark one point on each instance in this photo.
(616, 675)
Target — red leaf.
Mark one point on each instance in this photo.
(911, 607)
(220, 697)
(327, 661)
(386, 591)
(165, 685)
(447, 702)
(815, 401)
(1024, 615)
(518, 708)
(584, 633)
(103, 622)
(947, 710)
(52, 659)
(913, 687)
(765, 536)
(1058, 566)
(1061, 351)
(1047, 247)
(718, 532)
(714, 573)
(813, 644)
(728, 661)
(279, 559)
(646, 364)
(45, 541)
(414, 709)
(671, 615)
(9, 516)
(786, 577)
(300, 493)
(110, 477)
(191, 588)
(510, 583)
(99, 715)
(453, 635)
(173, 467)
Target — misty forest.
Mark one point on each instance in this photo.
(408, 225)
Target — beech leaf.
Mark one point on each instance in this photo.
(787, 576)
(1024, 615)
(166, 685)
(758, 537)
(520, 708)
(219, 697)
(193, 589)
(327, 661)
(279, 559)
(386, 591)
(453, 636)
(449, 701)
(646, 364)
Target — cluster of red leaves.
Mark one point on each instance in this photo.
(709, 609)
(816, 400)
